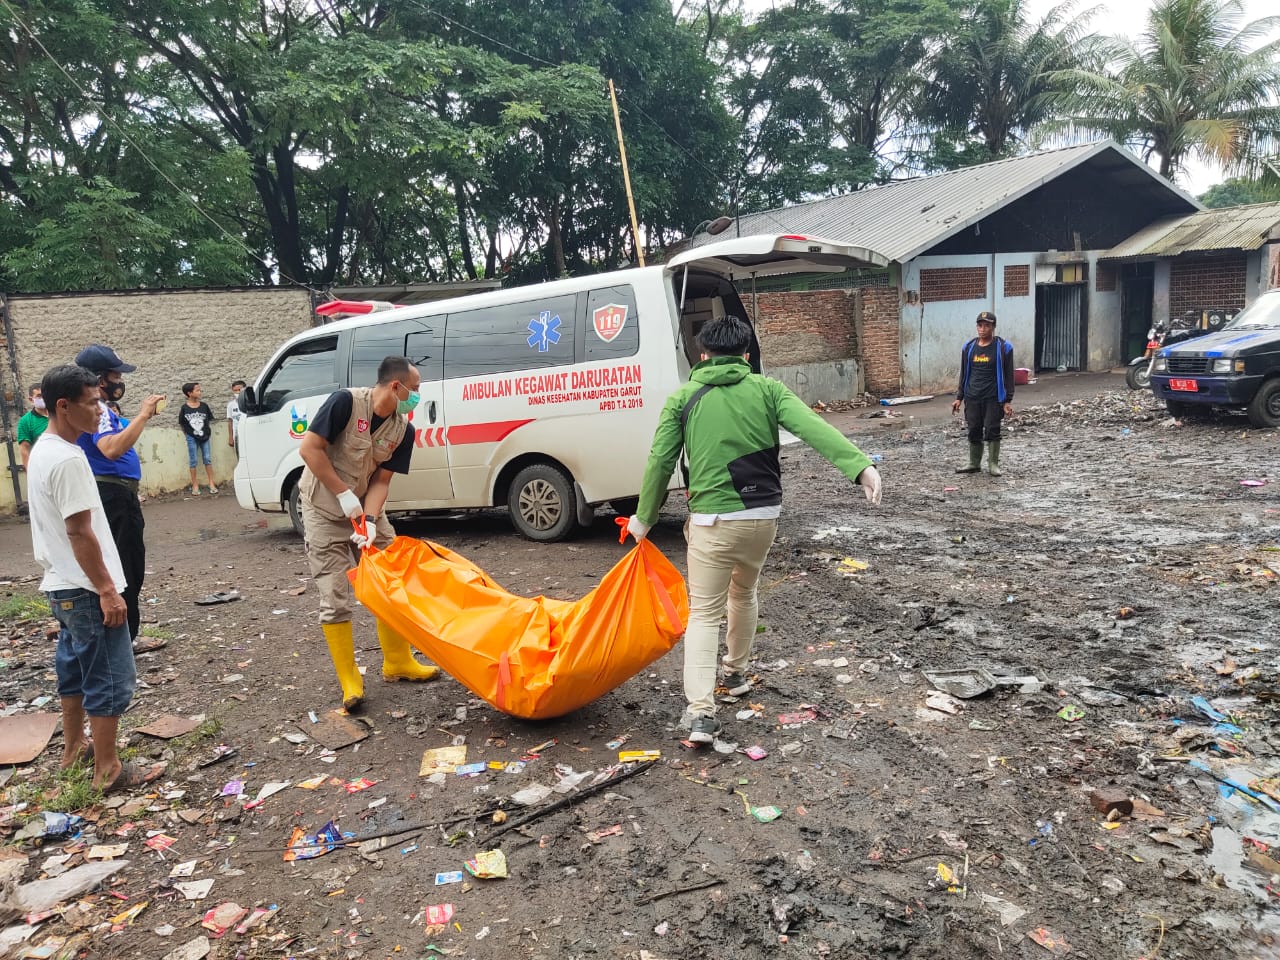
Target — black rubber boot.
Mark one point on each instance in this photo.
(975, 459)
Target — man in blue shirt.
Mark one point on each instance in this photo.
(117, 469)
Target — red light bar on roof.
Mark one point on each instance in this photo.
(336, 308)
(793, 236)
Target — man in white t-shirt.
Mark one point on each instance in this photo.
(83, 579)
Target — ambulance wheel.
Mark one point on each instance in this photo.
(542, 504)
(295, 510)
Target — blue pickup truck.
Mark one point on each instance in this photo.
(1232, 368)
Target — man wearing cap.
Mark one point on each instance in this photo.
(117, 469)
(986, 388)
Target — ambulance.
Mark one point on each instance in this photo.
(542, 399)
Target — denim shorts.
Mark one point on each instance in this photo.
(192, 446)
(93, 661)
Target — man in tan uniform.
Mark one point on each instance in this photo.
(356, 441)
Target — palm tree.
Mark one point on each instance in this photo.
(1193, 84)
(994, 81)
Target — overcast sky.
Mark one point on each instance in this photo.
(1123, 18)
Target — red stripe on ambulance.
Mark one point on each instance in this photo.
(468, 433)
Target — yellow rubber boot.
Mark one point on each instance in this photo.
(398, 661)
(342, 650)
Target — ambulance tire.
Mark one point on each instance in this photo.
(295, 510)
(542, 503)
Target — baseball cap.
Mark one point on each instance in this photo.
(102, 359)
(986, 316)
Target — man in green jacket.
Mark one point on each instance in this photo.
(727, 420)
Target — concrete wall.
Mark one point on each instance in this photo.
(937, 315)
(172, 337)
(1105, 338)
(821, 382)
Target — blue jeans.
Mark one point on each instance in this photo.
(92, 661)
(202, 446)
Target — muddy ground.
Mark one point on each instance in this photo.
(1120, 560)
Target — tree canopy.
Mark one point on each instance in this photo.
(149, 143)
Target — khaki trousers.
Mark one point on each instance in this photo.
(724, 568)
(331, 554)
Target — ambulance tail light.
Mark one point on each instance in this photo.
(342, 308)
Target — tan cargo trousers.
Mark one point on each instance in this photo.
(724, 568)
(331, 554)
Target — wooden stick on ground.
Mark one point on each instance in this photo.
(679, 890)
(568, 800)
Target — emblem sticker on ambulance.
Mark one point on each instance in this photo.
(609, 321)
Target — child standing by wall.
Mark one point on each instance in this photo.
(196, 420)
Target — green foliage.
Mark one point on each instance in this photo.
(1240, 190)
(24, 608)
(1195, 83)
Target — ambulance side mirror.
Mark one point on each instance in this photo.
(248, 402)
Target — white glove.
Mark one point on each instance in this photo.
(363, 540)
(349, 503)
(637, 529)
(869, 480)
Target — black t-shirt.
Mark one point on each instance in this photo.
(335, 414)
(982, 371)
(195, 420)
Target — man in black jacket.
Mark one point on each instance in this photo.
(986, 388)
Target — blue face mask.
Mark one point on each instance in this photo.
(409, 403)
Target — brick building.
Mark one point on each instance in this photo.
(1204, 267)
(1025, 237)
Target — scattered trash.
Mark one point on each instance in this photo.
(637, 756)
(897, 401)
(355, 786)
(1253, 483)
(985, 725)
(766, 814)
(1051, 942)
(41, 895)
(106, 851)
(438, 916)
(848, 566)
(225, 596)
(531, 794)
(169, 726)
(194, 889)
(442, 760)
(798, 717)
(595, 836)
(1009, 913)
(1201, 704)
(24, 736)
(452, 877)
(1071, 713)
(223, 917)
(1125, 613)
(195, 949)
(964, 684)
(304, 846)
(942, 702)
(268, 790)
(336, 730)
(1108, 802)
(756, 752)
(232, 788)
(489, 865)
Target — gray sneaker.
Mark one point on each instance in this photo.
(736, 684)
(704, 730)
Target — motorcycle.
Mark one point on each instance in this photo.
(1162, 334)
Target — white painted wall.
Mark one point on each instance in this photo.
(931, 334)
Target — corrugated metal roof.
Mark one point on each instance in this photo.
(1228, 228)
(903, 219)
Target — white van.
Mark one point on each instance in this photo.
(542, 399)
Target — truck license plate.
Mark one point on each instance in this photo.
(1187, 386)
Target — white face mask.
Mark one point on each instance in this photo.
(38, 403)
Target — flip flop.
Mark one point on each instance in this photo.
(224, 597)
(130, 777)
